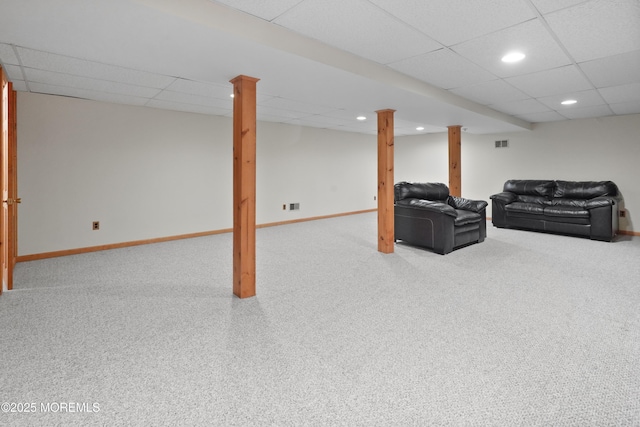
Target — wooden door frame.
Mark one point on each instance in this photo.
(8, 181)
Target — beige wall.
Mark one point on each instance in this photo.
(146, 173)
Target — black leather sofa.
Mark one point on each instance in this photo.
(426, 215)
(579, 208)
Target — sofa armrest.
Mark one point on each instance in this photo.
(598, 202)
(505, 197)
(467, 204)
(429, 205)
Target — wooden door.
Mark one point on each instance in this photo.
(8, 187)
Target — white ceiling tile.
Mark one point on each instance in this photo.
(14, 72)
(492, 92)
(525, 106)
(287, 104)
(350, 115)
(185, 45)
(546, 6)
(186, 98)
(7, 55)
(587, 112)
(333, 121)
(598, 28)
(545, 116)
(278, 112)
(620, 94)
(201, 88)
(405, 127)
(587, 98)
(626, 108)
(191, 108)
(613, 70)
(58, 79)
(206, 89)
(220, 91)
(551, 82)
(369, 124)
(86, 94)
(262, 9)
(531, 38)
(358, 27)
(443, 68)
(453, 21)
(79, 67)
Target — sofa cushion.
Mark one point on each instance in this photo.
(530, 187)
(466, 217)
(576, 203)
(421, 190)
(528, 208)
(584, 189)
(566, 212)
(531, 199)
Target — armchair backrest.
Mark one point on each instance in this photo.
(434, 191)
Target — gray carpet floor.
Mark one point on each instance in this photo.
(524, 329)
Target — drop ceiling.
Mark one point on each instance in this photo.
(322, 63)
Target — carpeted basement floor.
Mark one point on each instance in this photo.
(524, 329)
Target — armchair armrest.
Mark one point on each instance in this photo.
(505, 197)
(429, 205)
(467, 204)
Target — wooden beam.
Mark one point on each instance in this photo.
(455, 169)
(385, 181)
(244, 186)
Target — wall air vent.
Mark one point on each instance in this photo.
(502, 143)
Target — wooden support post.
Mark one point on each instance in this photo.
(455, 169)
(244, 186)
(385, 181)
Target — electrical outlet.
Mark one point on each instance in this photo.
(623, 213)
(284, 207)
(96, 225)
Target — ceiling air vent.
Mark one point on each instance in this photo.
(502, 143)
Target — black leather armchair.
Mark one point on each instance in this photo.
(426, 215)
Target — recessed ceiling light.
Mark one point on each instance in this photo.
(419, 128)
(361, 118)
(513, 57)
(232, 95)
(569, 102)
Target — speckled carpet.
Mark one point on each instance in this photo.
(524, 329)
